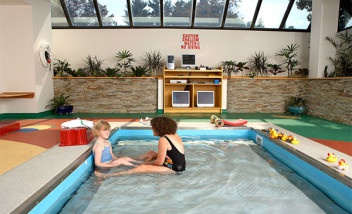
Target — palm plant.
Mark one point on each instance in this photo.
(343, 59)
(62, 68)
(58, 101)
(289, 54)
(229, 67)
(111, 72)
(124, 61)
(139, 71)
(154, 61)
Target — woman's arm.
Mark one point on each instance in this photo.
(162, 148)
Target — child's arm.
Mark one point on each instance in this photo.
(97, 155)
(112, 154)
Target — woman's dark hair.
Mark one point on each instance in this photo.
(164, 125)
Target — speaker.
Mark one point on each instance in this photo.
(170, 62)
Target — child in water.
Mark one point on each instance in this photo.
(169, 158)
(102, 151)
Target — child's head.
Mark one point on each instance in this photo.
(101, 125)
(163, 125)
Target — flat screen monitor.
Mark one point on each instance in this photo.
(188, 60)
(205, 99)
(180, 99)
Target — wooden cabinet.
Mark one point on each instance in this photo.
(193, 81)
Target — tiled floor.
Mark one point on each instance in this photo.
(32, 153)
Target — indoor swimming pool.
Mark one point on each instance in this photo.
(228, 171)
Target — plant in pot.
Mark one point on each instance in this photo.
(229, 67)
(275, 69)
(289, 54)
(241, 66)
(139, 71)
(296, 105)
(302, 72)
(124, 61)
(258, 64)
(154, 62)
(60, 105)
(112, 72)
(342, 62)
(93, 66)
(62, 68)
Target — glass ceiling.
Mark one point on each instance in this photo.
(281, 15)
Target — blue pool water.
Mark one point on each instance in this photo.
(226, 172)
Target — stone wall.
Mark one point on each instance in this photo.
(109, 95)
(328, 98)
(261, 95)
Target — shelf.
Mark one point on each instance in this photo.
(193, 77)
(192, 70)
(17, 95)
(197, 80)
(192, 83)
(192, 110)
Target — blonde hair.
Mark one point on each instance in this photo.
(101, 125)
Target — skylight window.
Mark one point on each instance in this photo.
(58, 17)
(82, 13)
(240, 13)
(178, 13)
(300, 15)
(280, 15)
(113, 14)
(209, 13)
(146, 13)
(271, 13)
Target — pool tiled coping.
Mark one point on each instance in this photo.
(20, 186)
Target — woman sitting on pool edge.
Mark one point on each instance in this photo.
(102, 151)
(170, 156)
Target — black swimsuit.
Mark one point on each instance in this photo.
(175, 160)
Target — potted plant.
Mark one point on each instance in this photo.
(154, 62)
(93, 66)
(342, 62)
(60, 104)
(139, 71)
(62, 68)
(241, 66)
(302, 72)
(275, 69)
(258, 64)
(229, 67)
(111, 72)
(296, 105)
(289, 54)
(124, 61)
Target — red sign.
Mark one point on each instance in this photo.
(190, 41)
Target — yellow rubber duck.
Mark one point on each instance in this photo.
(213, 118)
(284, 137)
(294, 141)
(343, 165)
(273, 134)
(279, 136)
(331, 157)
